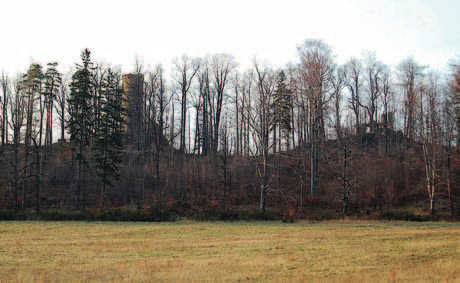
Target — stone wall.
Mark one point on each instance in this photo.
(133, 93)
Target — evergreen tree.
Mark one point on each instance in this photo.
(31, 88)
(107, 144)
(80, 121)
(280, 108)
(31, 85)
(53, 81)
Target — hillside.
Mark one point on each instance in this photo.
(379, 177)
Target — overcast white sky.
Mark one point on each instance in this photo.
(157, 31)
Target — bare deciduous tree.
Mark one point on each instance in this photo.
(259, 123)
(316, 60)
(353, 73)
(431, 136)
(387, 97)
(17, 109)
(4, 102)
(61, 107)
(409, 73)
(222, 65)
(338, 81)
(159, 102)
(185, 70)
(373, 78)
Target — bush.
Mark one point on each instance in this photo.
(8, 215)
(234, 215)
(405, 215)
(150, 215)
(85, 215)
(156, 215)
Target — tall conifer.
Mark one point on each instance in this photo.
(80, 122)
(108, 145)
(280, 108)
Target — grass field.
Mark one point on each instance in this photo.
(237, 251)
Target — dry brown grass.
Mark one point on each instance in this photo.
(241, 251)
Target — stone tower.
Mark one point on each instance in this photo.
(133, 93)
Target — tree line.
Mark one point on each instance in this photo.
(213, 135)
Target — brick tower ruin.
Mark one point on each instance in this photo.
(133, 93)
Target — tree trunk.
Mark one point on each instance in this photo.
(237, 121)
(344, 182)
(449, 189)
(224, 197)
(157, 177)
(432, 211)
(16, 176)
(301, 182)
(345, 204)
(183, 122)
(37, 184)
(101, 208)
(262, 198)
(314, 168)
(77, 206)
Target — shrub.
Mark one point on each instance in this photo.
(234, 215)
(405, 215)
(7, 215)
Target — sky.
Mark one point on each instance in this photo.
(158, 31)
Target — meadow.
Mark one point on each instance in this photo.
(229, 251)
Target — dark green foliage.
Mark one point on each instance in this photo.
(107, 141)
(280, 109)
(53, 80)
(80, 122)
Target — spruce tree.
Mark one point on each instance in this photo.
(80, 121)
(107, 139)
(280, 108)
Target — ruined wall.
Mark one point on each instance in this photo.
(133, 93)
